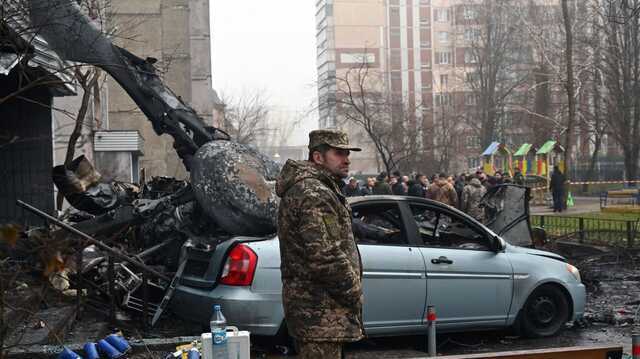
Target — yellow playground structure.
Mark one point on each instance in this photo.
(530, 161)
(549, 155)
(525, 159)
(497, 157)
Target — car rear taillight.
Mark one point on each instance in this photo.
(240, 266)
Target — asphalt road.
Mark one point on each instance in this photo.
(479, 342)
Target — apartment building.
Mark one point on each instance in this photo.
(422, 48)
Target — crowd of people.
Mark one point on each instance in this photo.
(463, 191)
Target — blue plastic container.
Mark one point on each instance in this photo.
(91, 350)
(109, 350)
(118, 342)
(68, 354)
(193, 353)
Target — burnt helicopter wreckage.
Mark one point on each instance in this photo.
(226, 175)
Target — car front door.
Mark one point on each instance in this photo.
(468, 282)
(394, 277)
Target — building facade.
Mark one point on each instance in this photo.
(176, 32)
(424, 51)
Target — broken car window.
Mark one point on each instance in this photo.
(378, 224)
(438, 229)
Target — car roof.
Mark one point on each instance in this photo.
(361, 199)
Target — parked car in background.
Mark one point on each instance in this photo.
(415, 253)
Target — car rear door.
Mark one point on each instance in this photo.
(394, 277)
(469, 284)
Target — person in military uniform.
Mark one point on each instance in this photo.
(320, 263)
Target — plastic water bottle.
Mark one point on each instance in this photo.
(219, 334)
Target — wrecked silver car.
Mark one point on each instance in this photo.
(415, 253)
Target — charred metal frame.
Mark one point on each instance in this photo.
(146, 270)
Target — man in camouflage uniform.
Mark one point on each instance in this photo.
(321, 268)
(471, 197)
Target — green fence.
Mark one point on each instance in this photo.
(611, 232)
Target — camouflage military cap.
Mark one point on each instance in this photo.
(333, 138)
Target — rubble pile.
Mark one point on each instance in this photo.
(147, 225)
(613, 284)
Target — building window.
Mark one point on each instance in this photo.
(426, 65)
(443, 58)
(442, 99)
(471, 34)
(472, 77)
(474, 163)
(426, 85)
(425, 44)
(470, 57)
(443, 36)
(469, 13)
(444, 80)
(424, 22)
(470, 99)
(395, 56)
(442, 15)
(472, 141)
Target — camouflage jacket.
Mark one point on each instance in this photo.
(320, 262)
(471, 197)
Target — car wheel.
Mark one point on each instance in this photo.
(545, 312)
(285, 344)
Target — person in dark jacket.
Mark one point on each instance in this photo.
(367, 190)
(491, 182)
(352, 189)
(556, 186)
(382, 187)
(518, 177)
(458, 185)
(418, 187)
(400, 187)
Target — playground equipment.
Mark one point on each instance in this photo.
(549, 155)
(497, 157)
(525, 159)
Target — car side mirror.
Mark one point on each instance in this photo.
(498, 244)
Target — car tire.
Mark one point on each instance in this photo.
(284, 343)
(545, 312)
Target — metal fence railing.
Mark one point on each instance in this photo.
(613, 232)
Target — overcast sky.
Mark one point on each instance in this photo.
(267, 45)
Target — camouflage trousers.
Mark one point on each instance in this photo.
(320, 350)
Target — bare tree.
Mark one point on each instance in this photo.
(569, 87)
(89, 82)
(619, 64)
(362, 100)
(494, 59)
(566, 100)
(245, 116)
